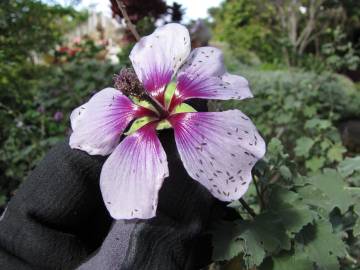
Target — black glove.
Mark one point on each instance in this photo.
(57, 218)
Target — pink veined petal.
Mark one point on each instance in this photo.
(218, 149)
(98, 124)
(157, 57)
(204, 76)
(133, 174)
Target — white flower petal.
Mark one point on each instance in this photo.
(133, 174)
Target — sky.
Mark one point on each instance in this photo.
(194, 8)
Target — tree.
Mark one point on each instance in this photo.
(289, 30)
(144, 13)
(246, 26)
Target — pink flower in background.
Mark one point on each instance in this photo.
(218, 149)
(58, 116)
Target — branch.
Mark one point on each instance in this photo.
(247, 208)
(128, 22)
(313, 10)
(258, 192)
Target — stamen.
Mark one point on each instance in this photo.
(128, 83)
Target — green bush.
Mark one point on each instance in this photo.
(300, 222)
(301, 109)
(305, 194)
(41, 118)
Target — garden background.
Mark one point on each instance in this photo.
(302, 59)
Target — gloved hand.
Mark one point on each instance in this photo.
(57, 219)
(174, 239)
(57, 216)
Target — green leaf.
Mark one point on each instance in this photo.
(315, 198)
(327, 191)
(335, 153)
(225, 244)
(321, 245)
(356, 228)
(315, 163)
(254, 239)
(350, 165)
(317, 123)
(289, 207)
(325, 144)
(303, 146)
(275, 146)
(291, 260)
(285, 172)
(309, 111)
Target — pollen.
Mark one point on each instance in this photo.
(128, 83)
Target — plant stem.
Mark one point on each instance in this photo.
(247, 208)
(129, 24)
(258, 192)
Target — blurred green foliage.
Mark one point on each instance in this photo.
(316, 35)
(301, 109)
(31, 93)
(246, 30)
(306, 192)
(302, 222)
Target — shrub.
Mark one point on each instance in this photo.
(41, 117)
(301, 109)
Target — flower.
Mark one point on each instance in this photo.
(218, 149)
(58, 116)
